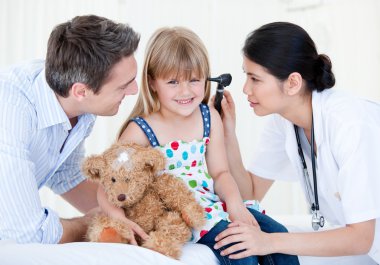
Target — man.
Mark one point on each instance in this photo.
(47, 109)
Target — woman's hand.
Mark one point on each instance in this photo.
(228, 112)
(247, 238)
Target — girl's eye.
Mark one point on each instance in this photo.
(173, 82)
(254, 79)
(194, 80)
(113, 179)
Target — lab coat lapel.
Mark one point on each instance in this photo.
(291, 147)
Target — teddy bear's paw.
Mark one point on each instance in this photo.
(110, 235)
(163, 245)
(194, 216)
(105, 229)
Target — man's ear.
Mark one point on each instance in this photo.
(92, 167)
(79, 91)
(293, 84)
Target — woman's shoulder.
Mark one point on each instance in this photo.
(343, 107)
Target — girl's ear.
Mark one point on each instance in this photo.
(151, 83)
(293, 84)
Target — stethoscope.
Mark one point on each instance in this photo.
(317, 220)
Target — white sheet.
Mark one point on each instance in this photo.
(121, 254)
(98, 254)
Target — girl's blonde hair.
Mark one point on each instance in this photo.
(170, 52)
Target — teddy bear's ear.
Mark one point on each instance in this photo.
(92, 167)
(155, 160)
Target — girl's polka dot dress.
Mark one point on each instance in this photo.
(186, 160)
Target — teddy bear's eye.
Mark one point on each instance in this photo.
(127, 180)
(113, 179)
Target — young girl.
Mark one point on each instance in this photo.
(171, 114)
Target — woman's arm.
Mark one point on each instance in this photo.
(354, 239)
(250, 185)
(224, 184)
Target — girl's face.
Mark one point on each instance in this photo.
(178, 96)
(264, 91)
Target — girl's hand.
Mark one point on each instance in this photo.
(118, 213)
(247, 238)
(136, 230)
(132, 225)
(242, 214)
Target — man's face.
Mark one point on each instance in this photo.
(120, 83)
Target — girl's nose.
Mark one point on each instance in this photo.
(184, 86)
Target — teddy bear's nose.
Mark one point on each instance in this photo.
(121, 197)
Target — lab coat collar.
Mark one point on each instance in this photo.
(318, 119)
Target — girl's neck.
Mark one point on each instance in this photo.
(300, 112)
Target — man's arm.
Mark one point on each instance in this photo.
(83, 196)
(22, 216)
(74, 229)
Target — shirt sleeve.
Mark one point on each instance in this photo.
(356, 148)
(270, 159)
(22, 217)
(69, 174)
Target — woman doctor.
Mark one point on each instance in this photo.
(288, 80)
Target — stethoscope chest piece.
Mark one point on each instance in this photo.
(317, 220)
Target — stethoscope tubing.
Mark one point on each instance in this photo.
(317, 220)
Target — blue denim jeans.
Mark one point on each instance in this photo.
(267, 225)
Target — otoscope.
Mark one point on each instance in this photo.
(223, 81)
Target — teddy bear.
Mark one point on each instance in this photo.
(161, 204)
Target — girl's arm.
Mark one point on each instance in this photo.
(118, 213)
(107, 207)
(354, 239)
(250, 185)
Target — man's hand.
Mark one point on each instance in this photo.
(74, 229)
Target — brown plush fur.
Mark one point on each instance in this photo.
(160, 203)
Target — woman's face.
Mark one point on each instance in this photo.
(263, 90)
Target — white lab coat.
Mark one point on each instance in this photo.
(347, 136)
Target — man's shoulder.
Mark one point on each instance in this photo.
(26, 71)
(16, 85)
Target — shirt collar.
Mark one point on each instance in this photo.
(49, 110)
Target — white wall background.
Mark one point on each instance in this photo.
(347, 30)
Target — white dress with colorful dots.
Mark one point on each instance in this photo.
(186, 160)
